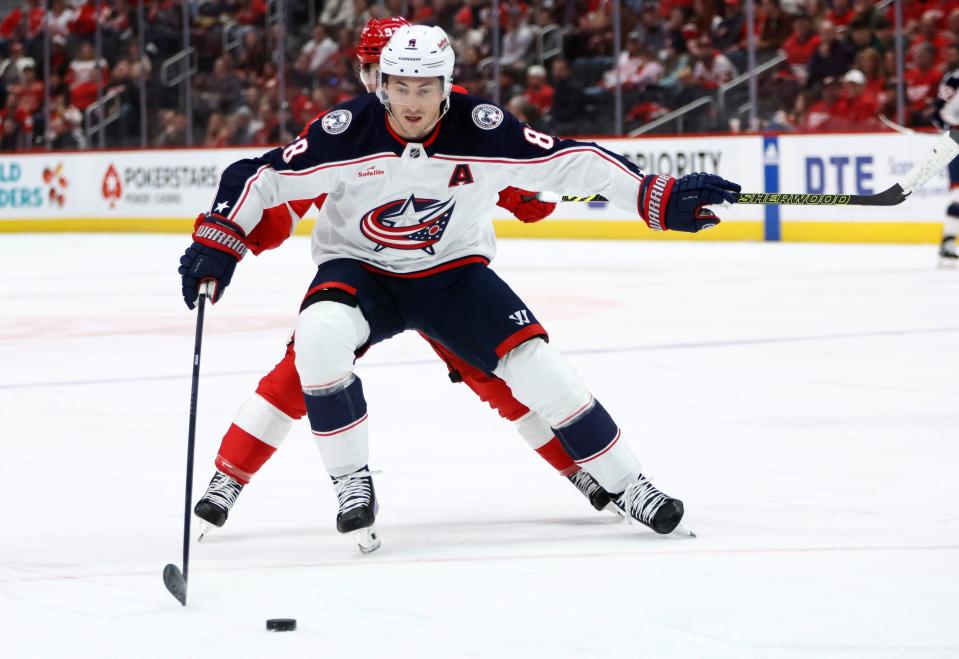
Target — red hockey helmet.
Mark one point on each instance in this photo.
(375, 35)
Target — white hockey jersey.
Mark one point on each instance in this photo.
(405, 207)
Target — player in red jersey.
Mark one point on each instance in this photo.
(265, 419)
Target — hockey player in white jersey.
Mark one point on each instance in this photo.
(947, 116)
(412, 175)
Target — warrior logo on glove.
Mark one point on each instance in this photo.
(412, 223)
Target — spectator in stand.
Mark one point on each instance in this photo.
(86, 75)
(652, 29)
(952, 26)
(266, 126)
(841, 14)
(251, 54)
(869, 62)
(21, 24)
(730, 33)
(800, 46)
(928, 32)
(29, 91)
(420, 11)
(866, 10)
(62, 16)
(305, 107)
(9, 110)
(63, 135)
(65, 122)
(776, 26)
(569, 101)
(676, 67)
(216, 131)
(251, 13)
(705, 15)
(517, 39)
(11, 69)
(299, 74)
(538, 91)
(84, 24)
(859, 107)
(710, 67)
(319, 48)
(922, 81)
(859, 35)
(832, 57)
(636, 66)
(238, 127)
(526, 112)
(127, 125)
(913, 10)
(223, 91)
(10, 139)
(508, 86)
(337, 13)
(826, 113)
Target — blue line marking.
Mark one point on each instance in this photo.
(771, 182)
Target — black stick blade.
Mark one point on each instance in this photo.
(174, 582)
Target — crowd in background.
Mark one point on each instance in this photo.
(557, 69)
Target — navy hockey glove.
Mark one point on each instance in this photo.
(218, 245)
(669, 204)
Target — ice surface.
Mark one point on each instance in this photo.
(801, 400)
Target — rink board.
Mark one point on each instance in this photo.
(161, 191)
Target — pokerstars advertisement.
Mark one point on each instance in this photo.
(112, 184)
(859, 164)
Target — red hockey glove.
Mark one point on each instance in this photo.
(524, 205)
(218, 245)
(669, 204)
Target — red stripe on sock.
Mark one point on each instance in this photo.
(554, 453)
(241, 454)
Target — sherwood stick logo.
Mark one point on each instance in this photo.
(790, 198)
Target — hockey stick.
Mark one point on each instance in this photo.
(889, 123)
(942, 153)
(174, 579)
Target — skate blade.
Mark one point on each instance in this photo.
(946, 263)
(682, 532)
(366, 539)
(205, 527)
(611, 507)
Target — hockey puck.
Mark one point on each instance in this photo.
(281, 625)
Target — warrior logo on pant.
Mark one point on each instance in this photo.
(412, 223)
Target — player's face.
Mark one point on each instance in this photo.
(414, 104)
(370, 75)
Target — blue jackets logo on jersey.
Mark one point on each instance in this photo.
(412, 223)
(487, 116)
(337, 121)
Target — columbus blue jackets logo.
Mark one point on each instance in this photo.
(487, 116)
(337, 121)
(412, 223)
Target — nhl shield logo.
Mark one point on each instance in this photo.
(412, 223)
(487, 116)
(337, 121)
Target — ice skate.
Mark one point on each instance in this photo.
(598, 497)
(358, 508)
(642, 502)
(214, 506)
(948, 257)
